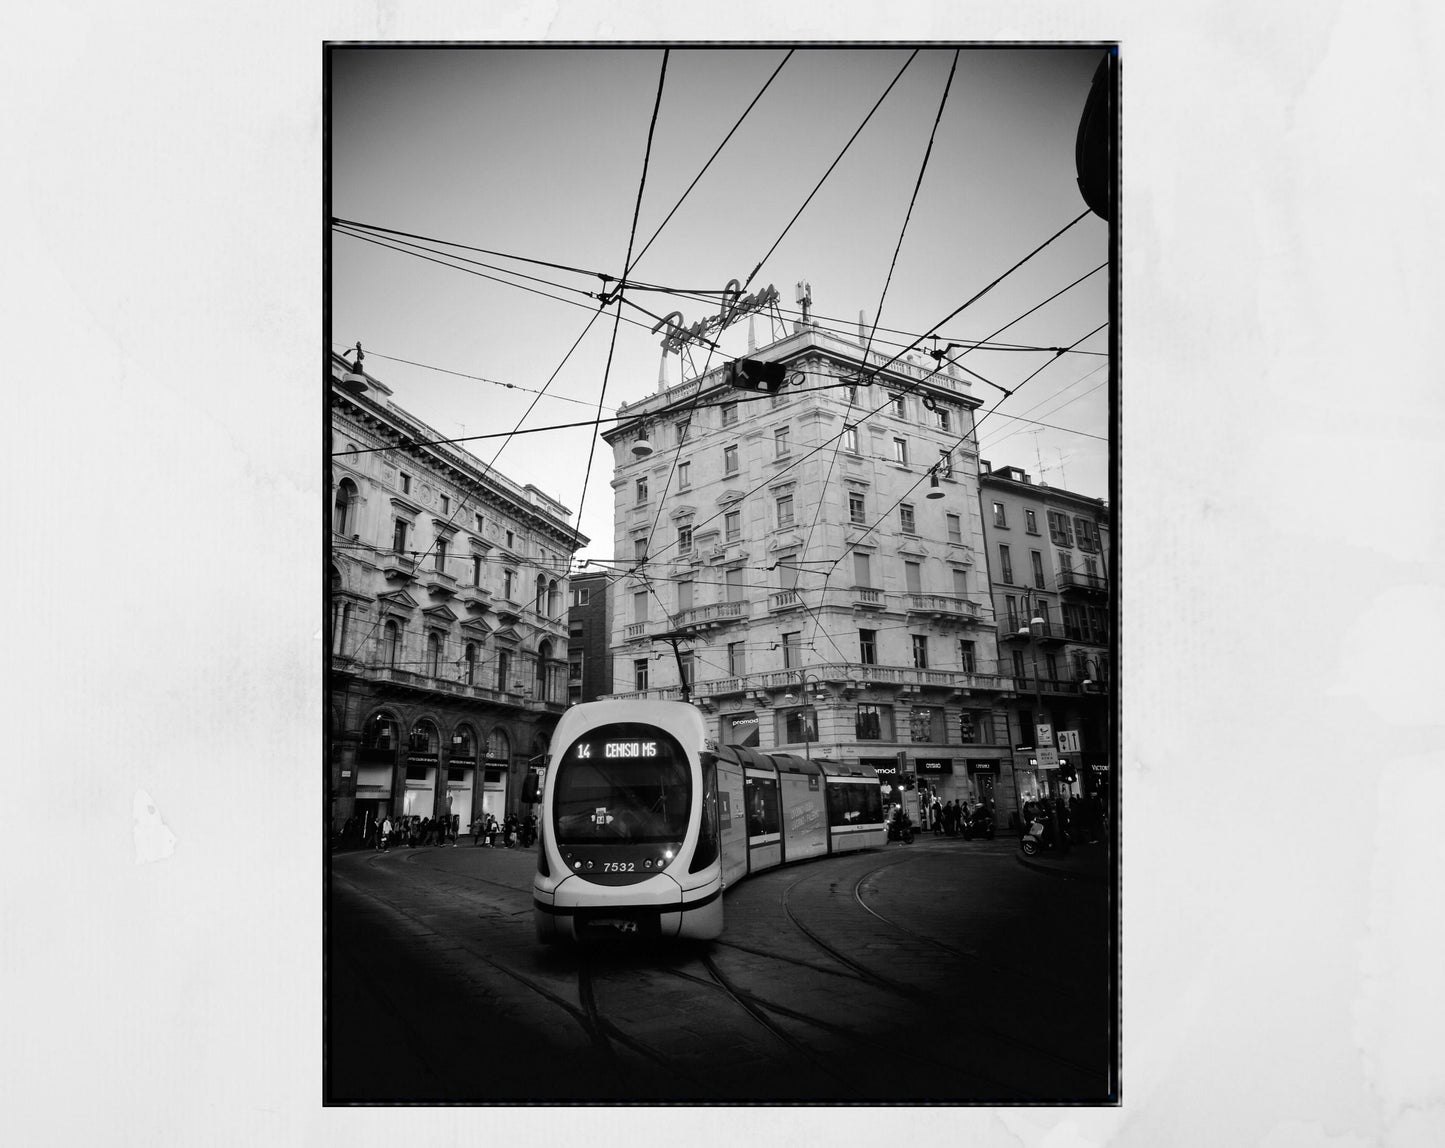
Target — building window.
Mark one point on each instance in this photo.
(730, 460)
(780, 442)
(788, 572)
(1053, 667)
(580, 595)
(639, 674)
(999, 519)
(945, 463)
(1066, 564)
(1011, 610)
(684, 539)
(856, 511)
(905, 519)
(862, 574)
(434, 655)
(736, 587)
(850, 439)
(1088, 536)
(1060, 532)
(398, 536)
(504, 670)
(684, 476)
(476, 569)
(941, 414)
(899, 408)
(641, 490)
(732, 526)
(470, 657)
(1006, 566)
(405, 482)
(639, 549)
(966, 656)
(685, 667)
(868, 647)
(955, 527)
(737, 660)
(1018, 664)
(785, 510)
(684, 596)
(913, 577)
(639, 606)
(554, 599)
(920, 651)
(791, 650)
(960, 582)
(682, 429)
(511, 543)
(800, 724)
(729, 414)
(900, 451)
(968, 728)
(341, 518)
(509, 584)
(868, 723)
(446, 504)
(1037, 561)
(1031, 522)
(392, 643)
(480, 524)
(441, 551)
(539, 603)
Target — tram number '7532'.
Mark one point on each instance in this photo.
(619, 866)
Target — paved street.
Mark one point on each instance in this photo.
(943, 970)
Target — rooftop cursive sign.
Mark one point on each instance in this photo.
(734, 306)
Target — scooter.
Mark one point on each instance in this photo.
(900, 831)
(979, 825)
(1038, 839)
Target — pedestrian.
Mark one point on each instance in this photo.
(478, 824)
(384, 835)
(456, 827)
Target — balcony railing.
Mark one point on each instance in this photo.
(716, 614)
(1081, 580)
(784, 600)
(944, 605)
(867, 596)
(634, 631)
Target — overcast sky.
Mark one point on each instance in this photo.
(539, 153)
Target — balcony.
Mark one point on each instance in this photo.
(397, 565)
(1026, 686)
(867, 598)
(635, 632)
(944, 606)
(477, 598)
(784, 600)
(439, 584)
(707, 617)
(1077, 581)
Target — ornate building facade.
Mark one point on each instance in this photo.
(447, 596)
(810, 563)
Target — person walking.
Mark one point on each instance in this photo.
(477, 826)
(384, 836)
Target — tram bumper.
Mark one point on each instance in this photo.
(580, 910)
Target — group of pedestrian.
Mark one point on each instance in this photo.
(956, 818)
(411, 830)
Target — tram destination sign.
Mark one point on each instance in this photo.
(613, 750)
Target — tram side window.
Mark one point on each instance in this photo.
(854, 805)
(762, 802)
(707, 844)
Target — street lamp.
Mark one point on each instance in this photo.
(1099, 678)
(803, 679)
(1033, 630)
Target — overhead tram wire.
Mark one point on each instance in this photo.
(878, 370)
(753, 274)
(626, 270)
(878, 314)
(957, 443)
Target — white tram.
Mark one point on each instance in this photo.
(642, 829)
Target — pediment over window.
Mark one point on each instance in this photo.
(911, 547)
(728, 497)
(406, 505)
(507, 634)
(476, 627)
(399, 599)
(443, 527)
(786, 542)
(857, 540)
(442, 615)
(684, 512)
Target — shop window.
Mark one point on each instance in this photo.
(873, 723)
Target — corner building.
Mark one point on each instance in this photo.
(1048, 557)
(811, 563)
(446, 616)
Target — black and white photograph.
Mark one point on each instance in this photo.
(722, 574)
(750, 574)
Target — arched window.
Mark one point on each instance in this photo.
(423, 738)
(554, 600)
(343, 519)
(464, 742)
(379, 732)
(541, 594)
(471, 658)
(391, 644)
(499, 746)
(434, 654)
(544, 655)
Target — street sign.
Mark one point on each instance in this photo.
(1043, 733)
(1068, 741)
(1048, 757)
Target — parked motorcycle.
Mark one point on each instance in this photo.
(978, 824)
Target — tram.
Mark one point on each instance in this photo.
(642, 829)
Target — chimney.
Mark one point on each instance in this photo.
(862, 327)
(752, 335)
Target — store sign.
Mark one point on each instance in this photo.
(735, 305)
(422, 759)
(935, 766)
(982, 766)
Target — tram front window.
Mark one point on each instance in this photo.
(623, 783)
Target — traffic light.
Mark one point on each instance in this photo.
(1066, 771)
(756, 375)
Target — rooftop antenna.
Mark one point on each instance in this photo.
(805, 300)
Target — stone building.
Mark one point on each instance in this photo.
(589, 623)
(810, 562)
(447, 618)
(1048, 558)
